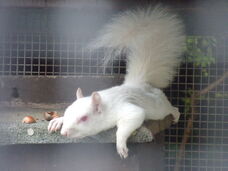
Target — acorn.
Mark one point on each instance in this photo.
(28, 120)
(50, 115)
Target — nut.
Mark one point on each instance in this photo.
(30, 131)
(28, 120)
(50, 115)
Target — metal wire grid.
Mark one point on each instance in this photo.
(207, 148)
(47, 54)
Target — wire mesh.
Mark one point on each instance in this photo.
(42, 54)
(46, 54)
(207, 146)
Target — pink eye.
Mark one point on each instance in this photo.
(83, 119)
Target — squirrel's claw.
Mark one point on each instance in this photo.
(55, 124)
(123, 152)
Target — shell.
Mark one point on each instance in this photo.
(50, 115)
(28, 120)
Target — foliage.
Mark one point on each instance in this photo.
(199, 51)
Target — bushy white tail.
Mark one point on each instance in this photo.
(153, 39)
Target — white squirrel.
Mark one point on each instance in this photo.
(153, 39)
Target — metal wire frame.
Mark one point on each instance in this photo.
(207, 148)
(45, 54)
(42, 54)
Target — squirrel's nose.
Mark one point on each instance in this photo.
(64, 132)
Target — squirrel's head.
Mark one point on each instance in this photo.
(83, 116)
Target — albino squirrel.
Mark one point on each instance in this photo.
(153, 40)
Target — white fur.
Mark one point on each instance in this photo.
(154, 41)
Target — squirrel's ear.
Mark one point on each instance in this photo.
(96, 102)
(79, 93)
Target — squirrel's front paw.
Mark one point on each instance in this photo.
(122, 151)
(55, 124)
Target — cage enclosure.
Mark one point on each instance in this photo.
(44, 59)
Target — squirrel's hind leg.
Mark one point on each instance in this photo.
(175, 114)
